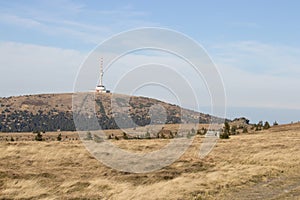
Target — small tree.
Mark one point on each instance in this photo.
(59, 137)
(267, 125)
(233, 129)
(226, 127)
(225, 134)
(125, 137)
(260, 125)
(202, 131)
(39, 136)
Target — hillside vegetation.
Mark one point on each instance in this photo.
(52, 112)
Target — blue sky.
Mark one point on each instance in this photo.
(52, 22)
(206, 21)
(254, 43)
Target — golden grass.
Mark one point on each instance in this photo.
(69, 135)
(264, 165)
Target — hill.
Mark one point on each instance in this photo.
(52, 112)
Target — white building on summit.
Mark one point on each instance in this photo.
(100, 87)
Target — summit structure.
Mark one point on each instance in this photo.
(100, 87)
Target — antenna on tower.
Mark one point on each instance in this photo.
(101, 71)
(101, 88)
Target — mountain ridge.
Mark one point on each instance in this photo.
(51, 112)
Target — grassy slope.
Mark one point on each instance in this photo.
(40, 112)
(264, 165)
(63, 102)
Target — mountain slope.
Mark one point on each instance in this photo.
(50, 112)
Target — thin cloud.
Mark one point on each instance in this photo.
(259, 75)
(67, 23)
(28, 68)
(19, 21)
(259, 58)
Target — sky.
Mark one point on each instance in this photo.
(255, 45)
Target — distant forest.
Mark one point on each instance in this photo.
(25, 121)
(13, 119)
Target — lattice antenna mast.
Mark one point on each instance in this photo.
(101, 72)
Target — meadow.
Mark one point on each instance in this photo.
(256, 165)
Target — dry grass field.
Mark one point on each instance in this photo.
(260, 165)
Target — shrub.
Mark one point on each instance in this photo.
(233, 130)
(125, 137)
(39, 136)
(267, 125)
(225, 134)
(202, 131)
(258, 126)
(171, 135)
(226, 128)
(275, 123)
(59, 137)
